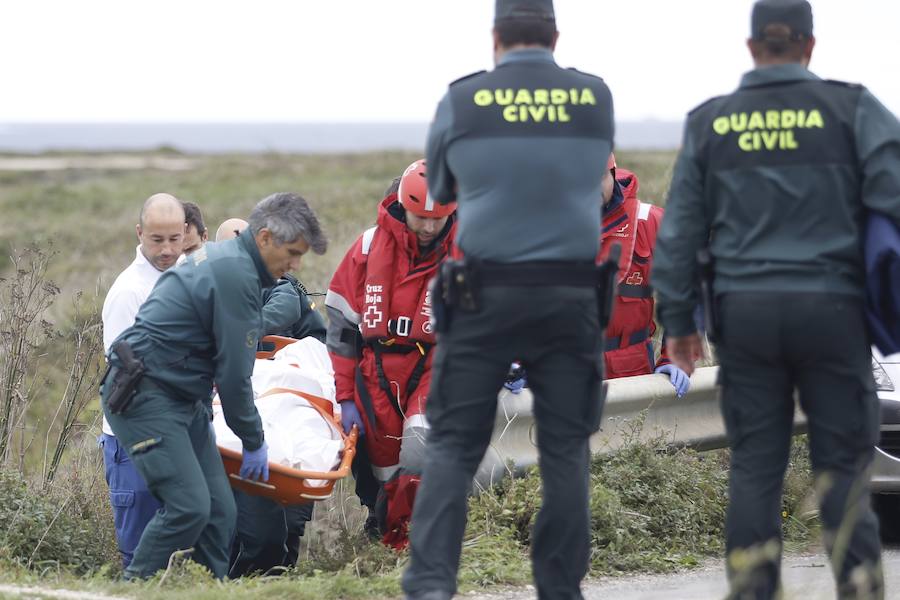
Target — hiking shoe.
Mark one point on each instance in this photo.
(371, 529)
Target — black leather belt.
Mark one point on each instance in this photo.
(534, 273)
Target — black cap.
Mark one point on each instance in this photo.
(796, 14)
(524, 9)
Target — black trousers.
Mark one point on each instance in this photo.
(367, 487)
(772, 344)
(554, 332)
(267, 534)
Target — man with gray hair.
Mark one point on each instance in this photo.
(200, 325)
(268, 534)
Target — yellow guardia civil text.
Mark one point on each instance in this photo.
(768, 129)
(535, 105)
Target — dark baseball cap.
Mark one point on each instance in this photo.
(524, 9)
(796, 14)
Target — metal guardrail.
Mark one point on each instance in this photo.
(694, 421)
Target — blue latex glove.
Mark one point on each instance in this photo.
(679, 378)
(256, 463)
(350, 416)
(515, 386)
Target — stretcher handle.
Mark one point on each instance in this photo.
(261, 484)
(279, 341)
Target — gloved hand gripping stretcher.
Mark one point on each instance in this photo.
(308, 451)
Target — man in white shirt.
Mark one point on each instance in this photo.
(161, 235)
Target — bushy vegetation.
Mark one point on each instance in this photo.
(67, 527)
(654, 508)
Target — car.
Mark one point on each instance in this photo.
(886, 466)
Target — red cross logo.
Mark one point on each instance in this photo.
(373, 316)
(635, 279)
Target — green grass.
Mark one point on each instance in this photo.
(653, 508)
(89, 215)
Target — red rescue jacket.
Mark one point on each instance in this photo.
(380, 289)
(634, 224)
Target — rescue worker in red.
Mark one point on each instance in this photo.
(381, 341)
(628, 348)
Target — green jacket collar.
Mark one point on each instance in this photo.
(527, 55)
(249, 242)
(777, 74)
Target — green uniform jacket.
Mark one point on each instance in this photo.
(775, 178)
(523, 148)
(201, 325)
(288, 311)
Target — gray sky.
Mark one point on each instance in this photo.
(386, 60)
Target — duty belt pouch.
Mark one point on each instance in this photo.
(463, 285)
(125, 378)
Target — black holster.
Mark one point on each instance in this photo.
(706, 273)
(456, 286)
(120, 381)
(461, 283)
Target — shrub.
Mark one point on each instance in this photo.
(653, 507)
(69, 529)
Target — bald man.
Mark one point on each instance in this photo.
(160, 233)
(230, 228)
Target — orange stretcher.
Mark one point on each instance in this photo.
(287, 485)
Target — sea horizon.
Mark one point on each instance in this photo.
(294, 137)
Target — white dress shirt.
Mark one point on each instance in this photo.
(128, 292)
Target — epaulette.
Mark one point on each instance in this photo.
(699, 106)
(464, 77)
(585, 73)
(853, 86)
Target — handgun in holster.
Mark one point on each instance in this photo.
(125, 377)
(607, 272)
(706, 273)
(462, 285)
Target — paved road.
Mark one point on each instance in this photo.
(804, 578)
(27, 591)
